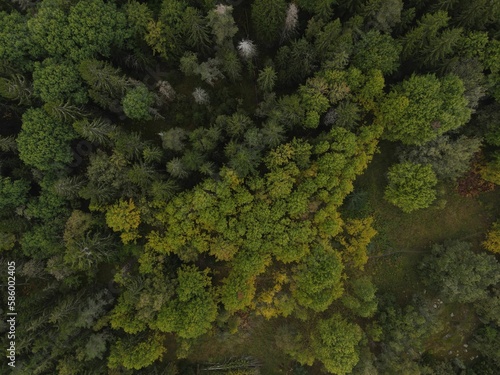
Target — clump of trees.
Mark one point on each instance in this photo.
(174, 172)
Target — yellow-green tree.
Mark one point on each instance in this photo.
(124, 217)
(492, 242)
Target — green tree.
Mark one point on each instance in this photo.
(450, 158)
(13, 194)
(136, 351)
(194, 309)
(17, 87)
(44, 141)
(95, 27)
(231, 64)
(421, 108)
(267, 79)
(489, 308)
(49, 28)
(268, 18)
(411, 186)
(137, 103)
(195, 28)
(377, 51)
(361, 298)
(79, 32)
(458, 274)
(221, 21)
(58, 82)
(317, 280)
(320, 7)
(98, 130)
(16, 44)
(106, 84)
(138, 17)
(487, 341)
(334, 343)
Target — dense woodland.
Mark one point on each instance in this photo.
(251, 187)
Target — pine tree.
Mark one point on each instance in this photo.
(98, 130)
(267, 79)
(16, 88)
(268, 18)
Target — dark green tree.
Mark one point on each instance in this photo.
(449, 158)
(58, 82)
(377, 51)
(268, 18)
(43, 142)
(458, 274)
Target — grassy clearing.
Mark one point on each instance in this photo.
(256, 338)
(404, 238)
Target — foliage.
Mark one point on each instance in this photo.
(411, 186)
(178, 174)
(267, 79)
(316, 282)
(14, 193)
(124, 217)
(194, 310)
(458, 274)
(268, 18)
(221, 21)
(492, 242)
(423, 107)
(449, 158)
(44, 141)
(334, 343)
(16, 44)
(137, 103)
(55, 82)
(136, 352)
(377, 51)
(89, 28)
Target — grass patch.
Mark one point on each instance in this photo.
(255, 338)
(454, 338)
(404, 238)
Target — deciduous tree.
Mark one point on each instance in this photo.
(44, 141)
(411, 186)
(458, 274)
(421, 108)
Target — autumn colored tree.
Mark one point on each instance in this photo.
(124, 217)
(492, 242)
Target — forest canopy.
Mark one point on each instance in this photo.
(250, 187)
